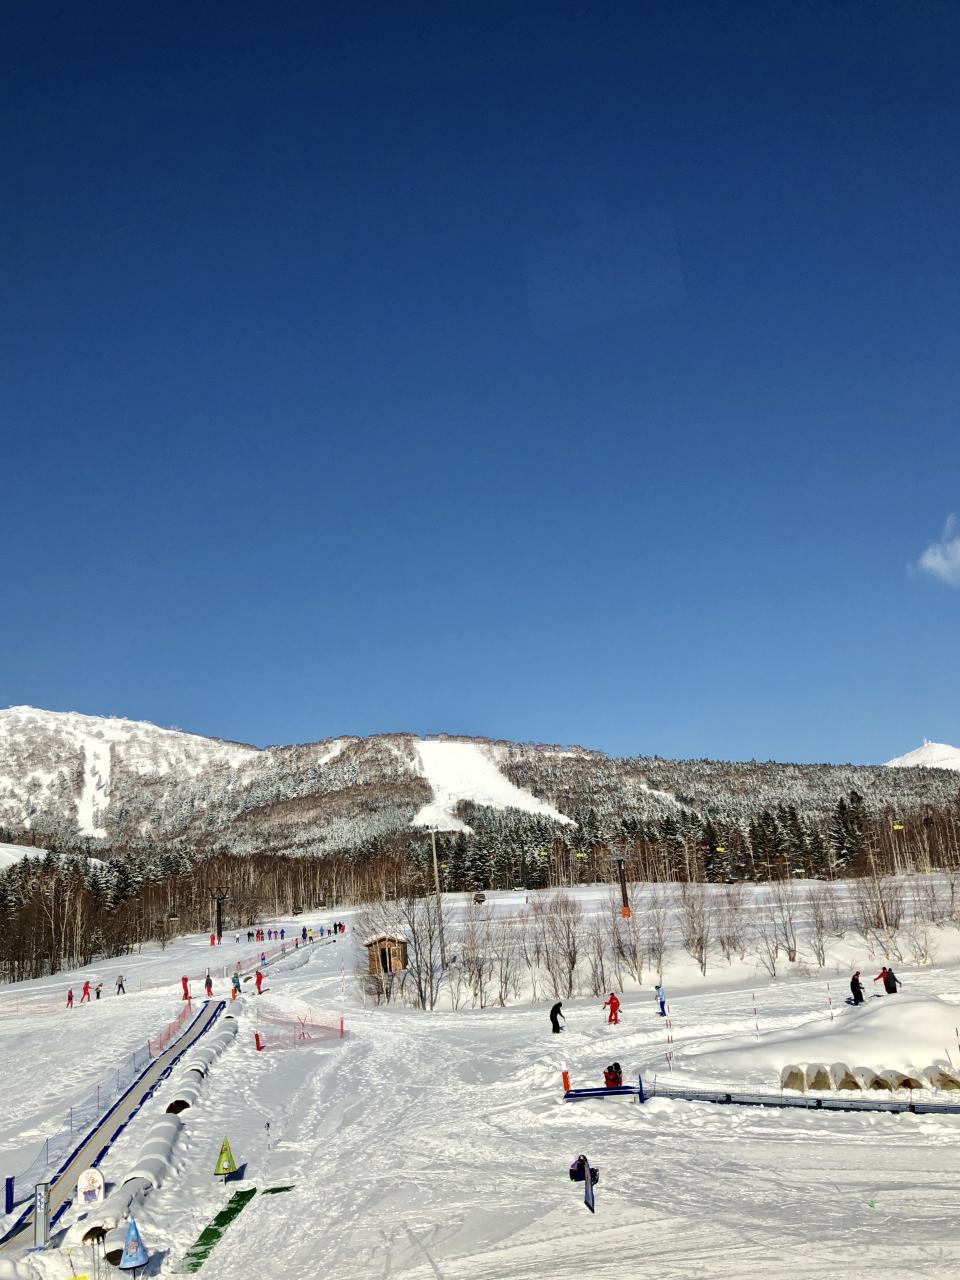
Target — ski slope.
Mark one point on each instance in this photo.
(468, 771)
(437, 1145)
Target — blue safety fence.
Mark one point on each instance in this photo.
(80, 1118)
(916, 1101)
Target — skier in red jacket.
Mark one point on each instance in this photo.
(259, 981)
(614, 1006)
(85, 993)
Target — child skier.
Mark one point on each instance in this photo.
(70, 998)
(661, 999)
(259, 981)
(85, 993)
(555, 1016)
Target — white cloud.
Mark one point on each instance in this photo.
(942, 559)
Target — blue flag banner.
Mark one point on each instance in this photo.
(134, 1254)
(588, 1189)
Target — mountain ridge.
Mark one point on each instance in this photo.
(123, 782)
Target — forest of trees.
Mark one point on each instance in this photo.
(63, 908)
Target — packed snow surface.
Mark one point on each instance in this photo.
(932, 755)
(437, 1145)
(468, 771)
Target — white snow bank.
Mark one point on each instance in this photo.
(932, 755)
(901, 1033)
(465, 771)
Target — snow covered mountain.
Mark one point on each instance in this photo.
(932, 755)
(123, 784)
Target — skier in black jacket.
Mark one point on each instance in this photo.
(856, 988)
(555, 1016)
(891, 982)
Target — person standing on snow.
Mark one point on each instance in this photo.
(70, 998)
(555, 1016)
(121, 989)
(613, 1004)
(882, 977)
(234, 986)
(97, 989)
(259, 981)
(661, 999)
(856, 988)
(85, 993)
(891, 982)
(208, 986)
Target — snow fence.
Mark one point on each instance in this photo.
(154, 1164)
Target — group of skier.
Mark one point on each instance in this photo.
(85, 991)
(886, 975)
(613, 1004)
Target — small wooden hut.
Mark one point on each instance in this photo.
(386, 953)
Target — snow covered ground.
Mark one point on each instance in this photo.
(428, 1146)
(932, 755)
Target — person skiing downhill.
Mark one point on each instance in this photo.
(856, 988)
(614, 1006)
(661, 999)
(555, 1015)
(85, 993)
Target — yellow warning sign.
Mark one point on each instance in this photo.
(225, 1161)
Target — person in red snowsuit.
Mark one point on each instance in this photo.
(85, 993)
(185, 981)
(70, 998)
(613, 1076)
(614, 1006)
(259, 981)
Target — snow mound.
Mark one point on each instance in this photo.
(911, 1035)
(468, 771)
(932, 755)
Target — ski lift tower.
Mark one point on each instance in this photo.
(620, 859)
(219, 897)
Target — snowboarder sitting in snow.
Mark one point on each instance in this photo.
(555, 1016)
(578, 1171)
(613, 1076)
(856, 989)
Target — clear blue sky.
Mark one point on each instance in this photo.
(581, 373)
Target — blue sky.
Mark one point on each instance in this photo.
(555, 372)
